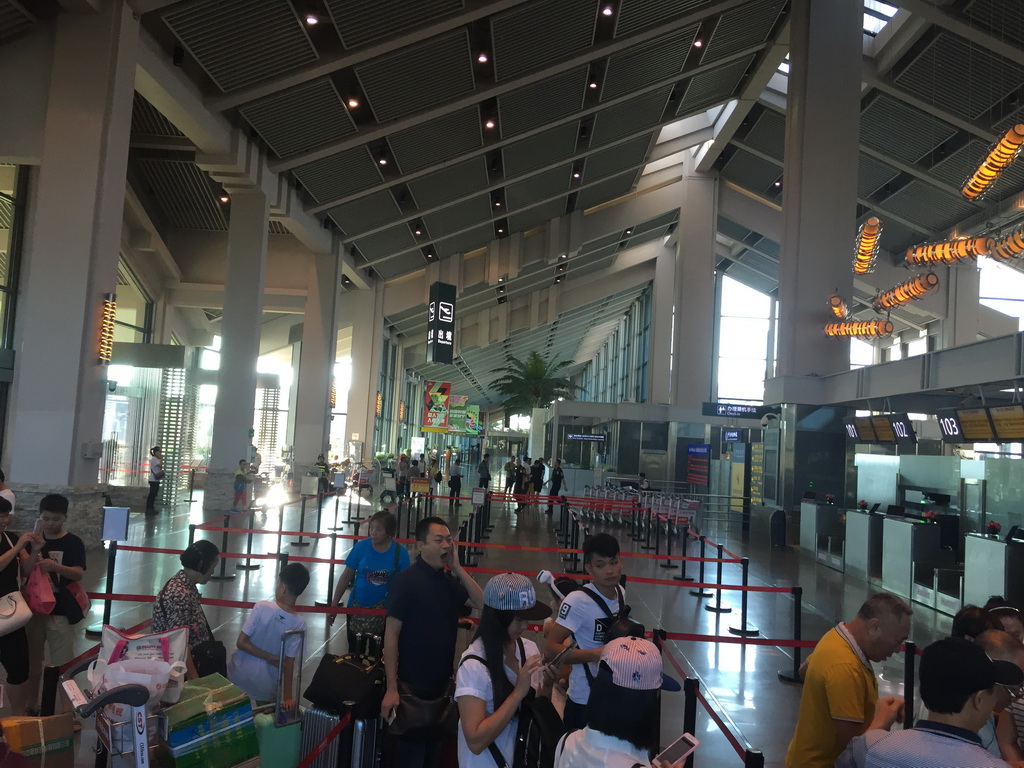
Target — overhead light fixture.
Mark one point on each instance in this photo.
(593, 83)
(560, 268)
(489, 124)
(497, 203)
(502, 299)
(905, 292)
(629, 231)
(1008, 247)
(997, 160)
(575, 174)
(482, 57)
(871, 329)
(382, 158)
(950, 251)
(606, 11)
(698, 43)
(866, 246)
(106, 343)
(500, 230)
(224, 197)
(352, 103)
(563, 255)
(501, 279)
(838, 306)
(312, 19)
(559, 279)
(499, 290)
(417, 232)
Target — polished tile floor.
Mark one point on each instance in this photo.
(740, 681)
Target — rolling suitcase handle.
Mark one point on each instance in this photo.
(281, 716)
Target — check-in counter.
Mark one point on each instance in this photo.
(993, 567)
(864, 544)
(911, 552)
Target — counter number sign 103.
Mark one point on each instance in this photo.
(949, 425)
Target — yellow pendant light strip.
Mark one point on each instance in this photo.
(838, 306)
(866, 250)
(870, 329)
(950, 251)
(998, 159)
(905, 292)
(1009, 247)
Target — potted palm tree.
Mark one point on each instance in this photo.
(533, 384)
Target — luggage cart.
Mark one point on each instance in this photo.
(121, 743)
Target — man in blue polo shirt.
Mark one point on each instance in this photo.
(960, 687)
(424, 604)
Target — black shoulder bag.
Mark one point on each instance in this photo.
(621, 626)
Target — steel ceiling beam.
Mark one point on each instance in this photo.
(963, 28)
(490, 91)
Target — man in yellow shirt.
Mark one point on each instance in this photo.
(840, 689)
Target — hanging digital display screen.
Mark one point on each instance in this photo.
(1008, 421)
(883, 429)
(865, 429)
(975, 426)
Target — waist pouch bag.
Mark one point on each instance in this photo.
(339, 679)
(421, 718)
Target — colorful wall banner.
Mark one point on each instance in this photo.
(435, 406)
(457, 414)
(473, 426)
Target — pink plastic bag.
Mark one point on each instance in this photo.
(39, 592)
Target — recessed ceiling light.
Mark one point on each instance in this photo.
(576, 174)
(224, 198)
(629, 231)
(607, 10)
(482, 58)
(353, 103)
(501, 279)
(497, 203)
(698, 43)
(419, 232)
(593, 84)
(312, 19)
(500, 230)
(489, 124)
(778, 183)
(563, 255)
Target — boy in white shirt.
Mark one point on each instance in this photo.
(583, 615)
(253, 666)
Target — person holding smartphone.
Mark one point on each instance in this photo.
(623, 712)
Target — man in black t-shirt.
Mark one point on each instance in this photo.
(424, 604)
(62, 557)
(557, 477)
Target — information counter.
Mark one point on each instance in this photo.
(864, 544)
(992, 567)
(910, 549)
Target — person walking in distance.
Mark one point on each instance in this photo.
(557, 478)
(455, 483)
(485, 471)
(156, 474)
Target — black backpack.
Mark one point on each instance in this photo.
(539, 731)
(621, 626)
(339, 679)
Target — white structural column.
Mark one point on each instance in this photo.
(820, 183)
(693, 353)
(71, 251)
(363, 311)
(659, 354)
(316, 361)
(240, 343)
(963, 289)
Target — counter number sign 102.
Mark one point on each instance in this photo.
(900, 428)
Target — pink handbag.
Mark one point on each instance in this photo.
(38, 592)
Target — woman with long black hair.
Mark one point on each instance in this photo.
(498, 671)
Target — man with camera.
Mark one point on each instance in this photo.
(593, 615)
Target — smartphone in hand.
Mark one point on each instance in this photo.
(560, 658)
(678, 749)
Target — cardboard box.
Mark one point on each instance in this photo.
(228, 747)
(39, 738)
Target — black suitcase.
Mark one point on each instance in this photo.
(356, 746)
(350, 678)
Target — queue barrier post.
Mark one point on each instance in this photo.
(669, 538)
(701, 592)
(753, 758)
(319, 509)
(634, 523)
(282, 560)
(330, 570)
(909, 661)
(337, 502)
(744, 629)
(224, 575)
(302, 525)
(51, 682)
(191, 534)
(691, 687)
(348, 517)
(647, 516)
(793, 676)
(717, 607)
(96, 630)
(191, 485)
(248, 565)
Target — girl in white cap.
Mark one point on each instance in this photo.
(623, 712)
(498, 671)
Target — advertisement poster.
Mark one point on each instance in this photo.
(473, 426)
(457, 414)
(435, 406)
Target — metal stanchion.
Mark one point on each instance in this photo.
(753, 758)
(191, 534)
(302, 526)
(717, 607)
(337, 501)
(282, 560)
(793, 676)
(634, 522)
(96, 630)
(701, 591)
(48, 702)
(191, 485)
(224, 575)
(690, 688)
(669, 537)
(319, 510)
(744, 629)
(652, 521)
(909, 662)
(248, 565)
(330, 571)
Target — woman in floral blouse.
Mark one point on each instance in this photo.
(178, 605)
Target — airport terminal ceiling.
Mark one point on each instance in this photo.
(423, 130)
